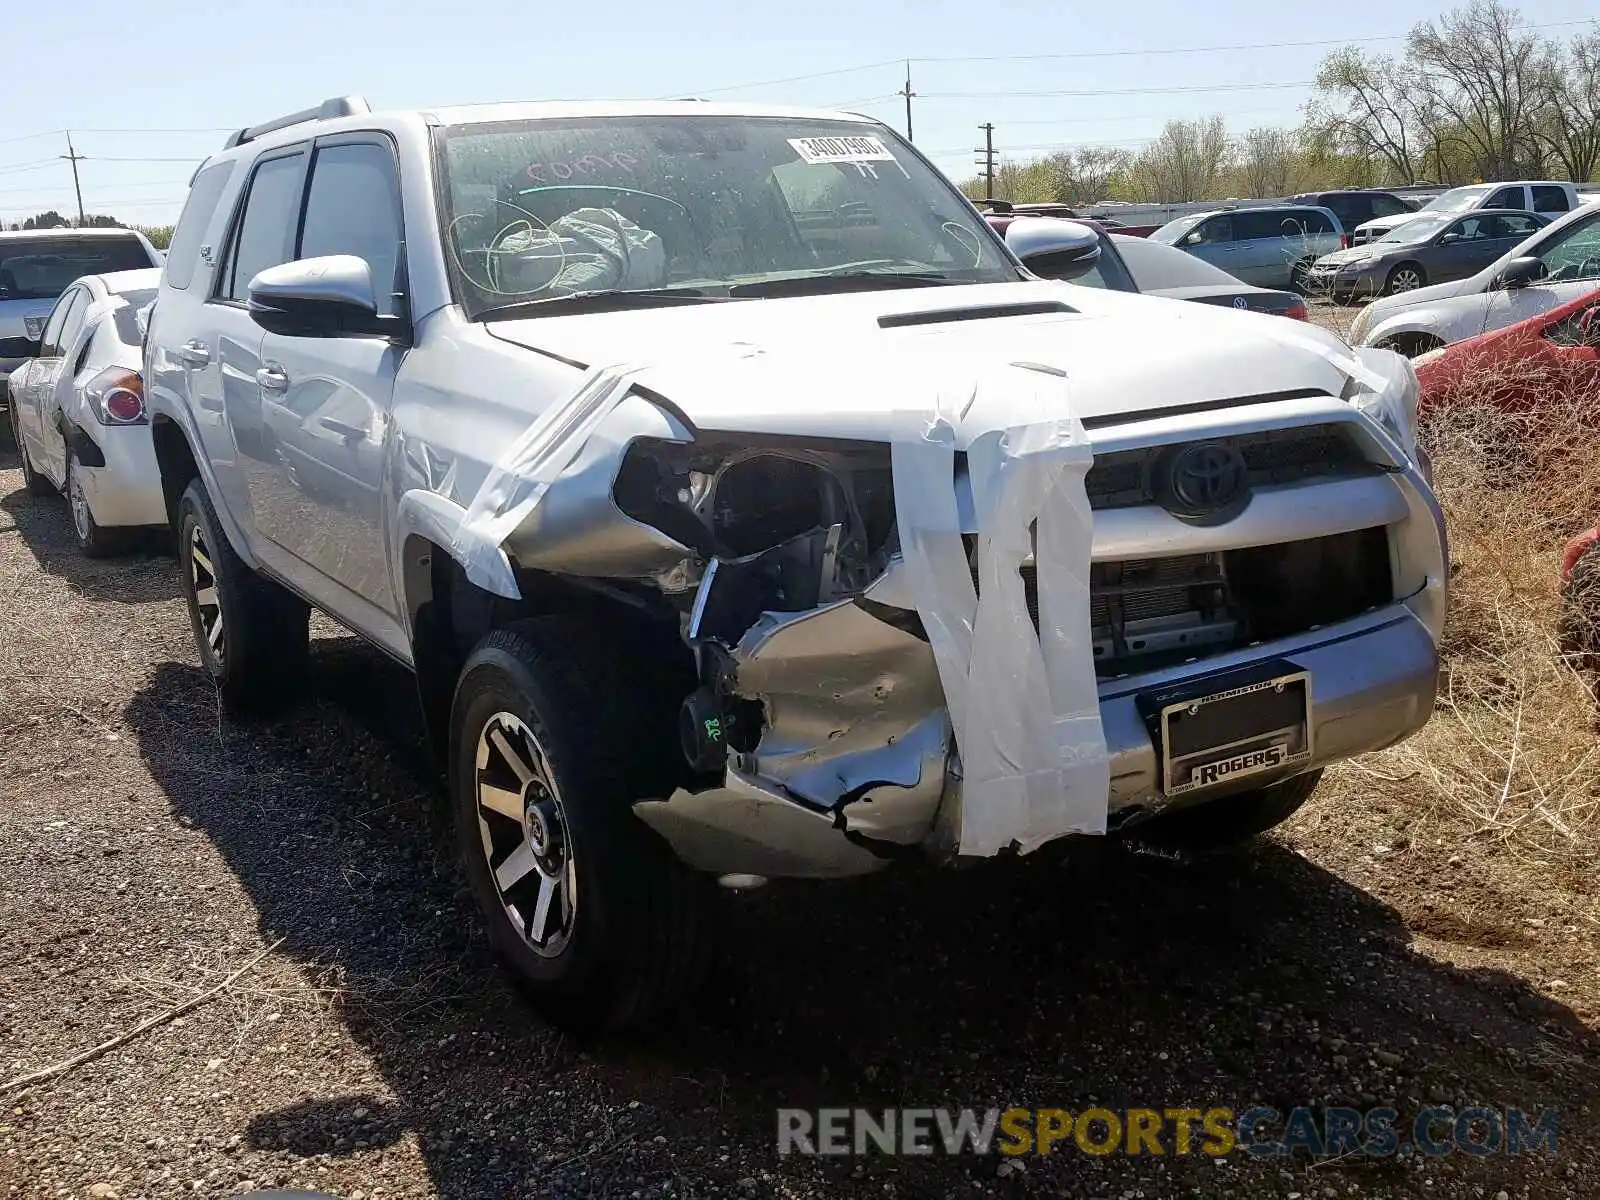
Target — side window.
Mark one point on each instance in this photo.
(1251, 226)
(1547, 199)
(1315, 222)
(1473, 229)
(1208, 233)
(353, 207)
(64, 323)
(1508, 197)
(1574, 254)
(265, 234)
(50, 339)
(193, 222)
(1387, 206)
(1513, 226)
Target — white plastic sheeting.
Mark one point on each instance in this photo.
(1024, 705)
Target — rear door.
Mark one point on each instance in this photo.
(1551, 199)
(1257, 247)
(223, 351)
(60, 334)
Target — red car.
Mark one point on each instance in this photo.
(1520, 367)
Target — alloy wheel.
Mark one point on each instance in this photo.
(523, 827)
(1405, 280)
(82, 520)
(207, 603)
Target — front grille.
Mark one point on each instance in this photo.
(1125, 478)
(1152, 612)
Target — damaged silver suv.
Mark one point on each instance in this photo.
(746, 508)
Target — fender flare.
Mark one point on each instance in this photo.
(441, 521)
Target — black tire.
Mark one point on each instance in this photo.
(1399, 276)
(1300, 276)
(602, 728)
(1220, 826)
(36, 483)
(258, 657)
(94, 539)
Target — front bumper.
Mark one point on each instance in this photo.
(856, 765)
(1364, 279)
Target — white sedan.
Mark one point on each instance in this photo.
(78, 410)
(1559, 263)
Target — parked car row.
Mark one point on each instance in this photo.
(876, 545)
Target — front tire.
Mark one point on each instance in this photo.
(1300, 276)
(253, 636)
(1231, 823)
(36, 483)
(553, 735)
(1407, 277)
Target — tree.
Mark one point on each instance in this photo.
(1568, 121)
(160, 235)
(1270, 161)
(1367, 106)
(1085, 175)
(47, 220)
(1184, 162)
(1485, 73)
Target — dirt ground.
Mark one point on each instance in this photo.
(149, 849)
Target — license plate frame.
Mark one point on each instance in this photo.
(1275, 732)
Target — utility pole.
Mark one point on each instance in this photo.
(987, 162)
(73, 157)
(908, 94)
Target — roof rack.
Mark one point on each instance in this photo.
(338, 106)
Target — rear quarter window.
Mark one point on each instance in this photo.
(184, 252)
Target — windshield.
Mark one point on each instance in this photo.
(705, 206)
(1455, 200)
(42, 268)
(1175, 229)
(1417, 230)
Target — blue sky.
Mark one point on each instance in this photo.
(165, 79)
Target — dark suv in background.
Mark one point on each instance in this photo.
(1354, 205)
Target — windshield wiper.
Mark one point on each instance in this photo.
(847, 281)
(605, 300)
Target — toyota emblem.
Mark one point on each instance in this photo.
(1205, 483)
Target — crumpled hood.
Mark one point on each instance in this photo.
(1356, 254)
(845, 365)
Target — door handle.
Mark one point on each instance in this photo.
(271, 378)
(343, 429)
(194, 352)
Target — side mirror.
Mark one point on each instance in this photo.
(19, 347)
(1053, 248)
(1449, 238)
(1519, 273)
(320, 297)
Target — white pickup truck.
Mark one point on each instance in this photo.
(1549, 196)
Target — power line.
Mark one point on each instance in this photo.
(1158, 91)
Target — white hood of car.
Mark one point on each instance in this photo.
(825, 366)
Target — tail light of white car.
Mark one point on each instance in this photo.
(116, 397)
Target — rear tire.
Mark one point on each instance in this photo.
(93, 539)
(253, 636)
(590, 910)
(1300, 276)
(1219, 826)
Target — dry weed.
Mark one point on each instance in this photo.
(1512, 752)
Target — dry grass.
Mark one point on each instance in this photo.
(1512, 755)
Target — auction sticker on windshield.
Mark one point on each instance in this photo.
(853, 149)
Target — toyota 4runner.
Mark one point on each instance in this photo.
(745, 508)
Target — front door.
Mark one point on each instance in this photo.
(325, 401)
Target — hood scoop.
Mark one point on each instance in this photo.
(973, 312)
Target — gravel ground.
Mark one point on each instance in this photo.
(149, 849)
